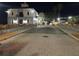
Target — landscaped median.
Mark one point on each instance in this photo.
(73, 35)
(7, 35)
(76, 34)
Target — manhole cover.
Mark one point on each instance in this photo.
(45, 36)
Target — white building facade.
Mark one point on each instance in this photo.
(22, 16)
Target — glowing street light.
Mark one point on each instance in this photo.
(58, 19)
(69, 17)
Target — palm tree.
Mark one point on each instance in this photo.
(54, 13)
(59, 9)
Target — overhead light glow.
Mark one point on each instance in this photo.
(69, 17)
(58, 19)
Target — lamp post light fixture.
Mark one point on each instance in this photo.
(70, 17)
(58, 19)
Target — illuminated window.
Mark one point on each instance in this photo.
(15, 21)
(24, 21)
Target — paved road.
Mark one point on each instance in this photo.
(47, 41)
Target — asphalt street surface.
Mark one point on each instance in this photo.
(47, 41)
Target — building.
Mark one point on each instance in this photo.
(22, 16)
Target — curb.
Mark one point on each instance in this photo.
(68, 34)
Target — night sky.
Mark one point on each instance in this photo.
(68, 8)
